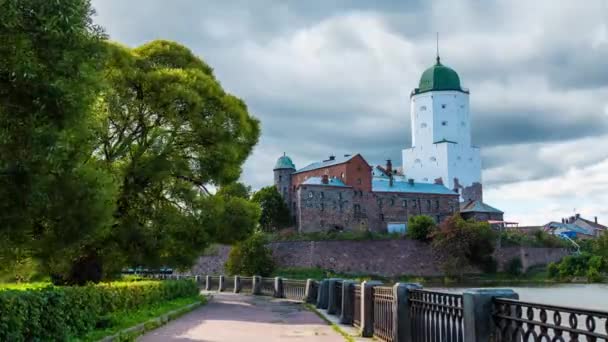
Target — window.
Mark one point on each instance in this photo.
(379, 202)
(342, 175)
(280, 178)
(322, 207)
(322, 195)
(437, 204)
(443, 106)
(413, 203)
(417, 161)
(311, 195)
(357, 208)
(341, 207)
(423, 125)
(294, 188)
(359, 181)
(392, 202)
(294, 205)
(423, 108)
(381, 217)
(428, 204)
(339, 195)
(404, 203)
(433, 159)
(462, 123)
(444, 123)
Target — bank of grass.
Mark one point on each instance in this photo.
(536, 275)
(121, 320)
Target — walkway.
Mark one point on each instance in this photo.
(229, 317)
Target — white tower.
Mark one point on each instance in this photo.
(441, 134)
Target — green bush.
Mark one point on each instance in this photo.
(514, 267)
(58, 313)
(419, 227)
(250, 257)
(553, 270)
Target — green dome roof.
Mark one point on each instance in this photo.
(438, 77)
(284, 162)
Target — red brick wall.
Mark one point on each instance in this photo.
(354, 170)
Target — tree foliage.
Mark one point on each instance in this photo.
(465, 243)
(235, 189)
(250, 257)
(420, 227)
(275, 213)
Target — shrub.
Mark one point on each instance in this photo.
(58, 313)
(250, 257)
(419, 227)
(553, 270)
(514, 267)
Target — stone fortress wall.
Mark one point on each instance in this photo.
(377, 257)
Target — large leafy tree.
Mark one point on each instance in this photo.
(54, 198)
(275, 213)
(168, 129)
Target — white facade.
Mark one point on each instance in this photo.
(441, 140)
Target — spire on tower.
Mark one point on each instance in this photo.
(437, 48)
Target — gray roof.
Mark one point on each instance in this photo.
(382, 184)
(326, 163)
(477, 207)
(319, 181)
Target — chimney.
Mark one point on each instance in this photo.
(325, 179)
(410, 181)
(439, 181)
(389, 167)
(577, 216)
(595, 219)
(332, 157)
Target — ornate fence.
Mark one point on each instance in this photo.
(267, 287)
(214, 283)
(356, 289)
(436, 316)
(524, 321)
(338, 297)
(247, 284)
(383, 313)
(294, 289)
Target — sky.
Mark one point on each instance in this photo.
(334, 77)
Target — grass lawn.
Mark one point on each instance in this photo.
(125, 319)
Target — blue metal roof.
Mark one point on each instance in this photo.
(319, 181)
(284, 162)
(326, 163)
(383, 185)
(478, 207)
(561, 227)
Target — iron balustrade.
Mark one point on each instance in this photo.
(436, 316)
(520, 321)
(384, 299)
(267, 287)
(356, 289)
(246, 284)
(214, 283)
(294, 289)
(338, 297)
(314, 289)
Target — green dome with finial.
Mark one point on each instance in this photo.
(438, 77)
(284, 162)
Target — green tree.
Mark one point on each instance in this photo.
(250, 257)
(54, 198)
(419, 227)
(167, 130)
(275, 213)
(235, 189)
(464, 243)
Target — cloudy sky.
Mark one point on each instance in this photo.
(334, 77)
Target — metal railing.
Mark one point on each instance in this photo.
(246, 284)
(294, 289)
(338, 297)
(356, 290)
(383, 313)
(214, 283)
(520, 321)
(436, 316)
(267, 287)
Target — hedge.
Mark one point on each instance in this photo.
(58, 313)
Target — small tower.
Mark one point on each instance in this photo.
(282, 178)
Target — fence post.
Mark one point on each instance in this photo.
(402, 320)
(477, 312)
(257, 285)
(237, 284)
(207, 283)
(322, 295)
(309, 295)
(332, 300)
(367, 307)
(222, 285)
(278, 287)
(346, 315)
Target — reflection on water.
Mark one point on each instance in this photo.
(586, 296)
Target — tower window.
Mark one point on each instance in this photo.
(423, 108)
(280, 178)
(443, 106)
(311, 195)
(444, 123)
(462, 123)
(423, 125)
(417, 161)
(433, 159)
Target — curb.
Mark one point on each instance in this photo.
(153, 323)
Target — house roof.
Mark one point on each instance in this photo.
(593, 224)
(284, 162)
(382, 184)
(477, 207)
(561, 227)
(326, 163)
(319, 181)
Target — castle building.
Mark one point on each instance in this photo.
(441, 172)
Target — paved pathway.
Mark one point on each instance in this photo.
(229, 317)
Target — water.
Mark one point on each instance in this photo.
(585, 296)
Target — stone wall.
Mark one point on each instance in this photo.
(379, 257)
